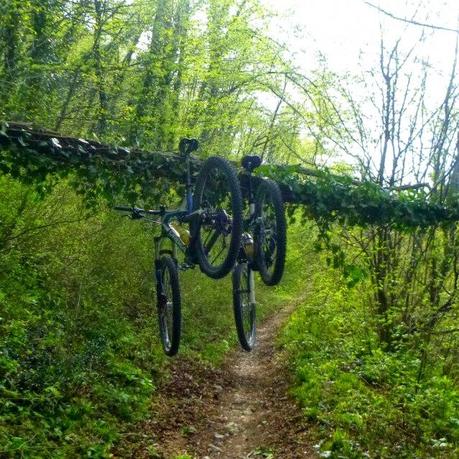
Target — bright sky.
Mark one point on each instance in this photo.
(341, 29)
(348, 32)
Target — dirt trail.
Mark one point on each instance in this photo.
(241, 410)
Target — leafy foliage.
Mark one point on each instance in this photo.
(80, 356)
(108, 171)
(364, 401)
(327, 197)
(374, 346)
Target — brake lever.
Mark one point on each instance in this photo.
(136, 215)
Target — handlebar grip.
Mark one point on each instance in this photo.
(124, 208)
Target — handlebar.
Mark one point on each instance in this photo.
(137, 212)
(125, 208)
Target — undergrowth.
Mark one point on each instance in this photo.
(363, 401)
(80, 357)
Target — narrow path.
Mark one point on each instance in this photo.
(241, 410)
(254, 416)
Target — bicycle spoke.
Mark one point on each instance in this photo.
(247, 308)
(207, 239)
(169, 313)
(213, 240)
(218, 198)
(166, 310)
(219, 253)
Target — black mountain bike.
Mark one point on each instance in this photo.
(263, 248)
(214, 215)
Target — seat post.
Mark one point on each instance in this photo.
(249, 186)
(250, 163)
(188, 185)
(186, 147)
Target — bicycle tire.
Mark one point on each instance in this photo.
(216, 168)
(244, 308)
(270, 251)
(168, 304)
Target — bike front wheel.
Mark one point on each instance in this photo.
(270, 235)
(218, 230)
(244, 305)
(169, 304)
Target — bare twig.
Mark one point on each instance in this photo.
(412, 21)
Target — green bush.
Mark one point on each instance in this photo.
(365, 402)
(79, 348)
(77, 351)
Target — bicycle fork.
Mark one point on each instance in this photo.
(160, 294)
(251, 287)
(251, 275)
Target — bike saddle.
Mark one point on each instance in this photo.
(250, 162)
(187, 146)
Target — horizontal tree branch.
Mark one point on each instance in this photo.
(32, 154)
(412, 21)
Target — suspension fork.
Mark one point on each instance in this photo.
(159, 282)
(251, 196)
(189, 186)
(252, 287)
(252, 213)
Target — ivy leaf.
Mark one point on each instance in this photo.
(3, 127)
(55, 143)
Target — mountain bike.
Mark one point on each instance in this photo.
(214, 215)
(263, 248)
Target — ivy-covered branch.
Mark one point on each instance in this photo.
(330, 197)
(32, 155)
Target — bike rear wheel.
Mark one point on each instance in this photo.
(270, 237)
(244, 305)
(169, 304)
(217, 232)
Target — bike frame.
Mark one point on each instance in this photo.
(250, 224)
(184, 214)
(167, 231)
(181, 215)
